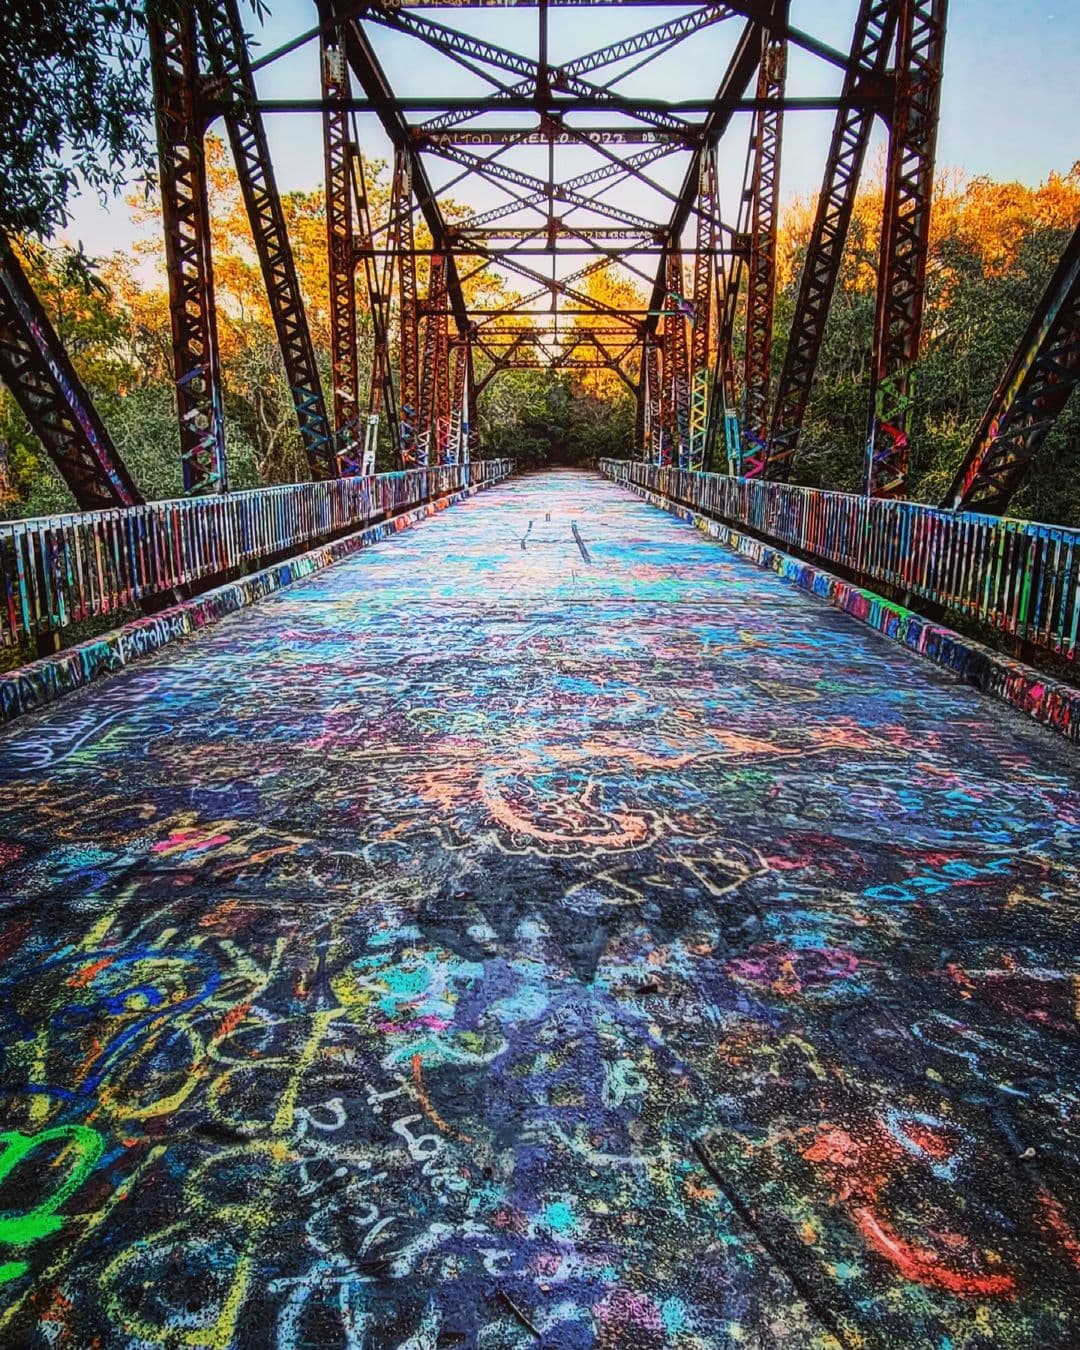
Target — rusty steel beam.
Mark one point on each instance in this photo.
(653, 413)
(875, 28)
(705, 266)
(401, 210)
(676, 363)
(53, 399)
(560, 106)
(1034, 389)
(458, 442)
(733, 86)
(344, 357)
(182, 170)
(382, 396)
(761, 273)
(226, 47)
(433, 372)
(372, 78)
(905, 234)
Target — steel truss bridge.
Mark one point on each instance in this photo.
(644, 197)
(551, 926)
(551, 169)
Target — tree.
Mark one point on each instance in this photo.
(993, 247)
(75, 108)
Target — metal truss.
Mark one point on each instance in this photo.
(378, 277)
(182, 168)
(547, 347)
(457, 450)
(401, 219)
(905, 233)
(875, 28)
(1036, 386)
(761, 274)
(675, 367)
(498, 154)
(705, 271)
(432, 423)
(226, 46)
(652, 403)
(344, 360)
(39, 373)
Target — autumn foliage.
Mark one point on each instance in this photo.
(993, 247)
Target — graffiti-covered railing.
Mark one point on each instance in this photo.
(60, 570)
(1020, 578)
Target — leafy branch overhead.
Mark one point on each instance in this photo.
(76, 111)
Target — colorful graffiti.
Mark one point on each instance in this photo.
(544, 928)
(1015, 576)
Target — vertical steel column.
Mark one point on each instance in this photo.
(442, 381)
(676, 367)
(227, 49)
(654, 424)
(344, 360)
(641, 405)
(432, 369)
(404, 251)
(43, 382)
(182, 168)
(1036, 386)
(761, 283)
(472, 427)
(724, 398)
(381, 397)
(871, 46)
(665, 429)
(704, 271)
(905, 233)
(459, 406)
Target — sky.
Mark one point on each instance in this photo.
(1010, 97)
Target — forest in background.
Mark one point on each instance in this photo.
(993, 248)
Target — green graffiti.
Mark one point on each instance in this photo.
(21, 1229)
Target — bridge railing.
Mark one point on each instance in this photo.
(1020, 578)
(60, 570)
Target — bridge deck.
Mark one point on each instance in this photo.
(544, 929)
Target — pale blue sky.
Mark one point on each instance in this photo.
(1010, 100)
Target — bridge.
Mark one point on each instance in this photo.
(629, 905)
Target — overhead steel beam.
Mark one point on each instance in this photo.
(603, 173)
(741, 70)
(365, 66)
(565, 79)
(560, 105)
(757, 10)
(561, 193)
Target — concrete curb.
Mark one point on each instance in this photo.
(1054, 704)
(42, 682)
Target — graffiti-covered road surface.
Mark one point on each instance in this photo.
(544, 929)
